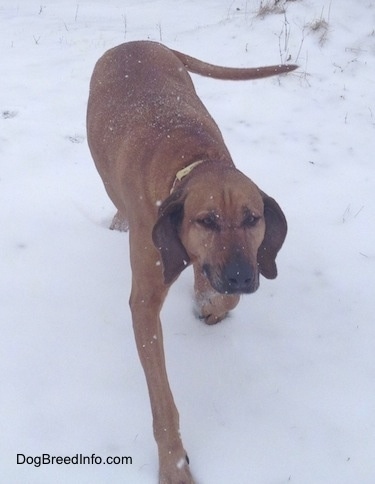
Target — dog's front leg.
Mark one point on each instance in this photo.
(147, 296)
(212, 306)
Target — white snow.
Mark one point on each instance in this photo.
(284, 389)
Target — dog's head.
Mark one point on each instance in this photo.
(227, 225)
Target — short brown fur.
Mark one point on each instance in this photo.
(145, 123)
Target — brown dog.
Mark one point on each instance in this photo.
(167, 170)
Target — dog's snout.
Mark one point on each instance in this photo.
(239, 276)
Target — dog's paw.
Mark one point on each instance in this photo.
(211, 319)
(213, 307)
(119, 223)
(176, 474)
(174, 467)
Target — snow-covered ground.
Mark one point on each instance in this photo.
(284, 389)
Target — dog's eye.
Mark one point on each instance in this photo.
(209, 222)
(250, 220)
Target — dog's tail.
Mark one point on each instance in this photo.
(231, 73)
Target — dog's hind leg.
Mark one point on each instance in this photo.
(120, 222)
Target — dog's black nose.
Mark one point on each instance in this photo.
(239, 276)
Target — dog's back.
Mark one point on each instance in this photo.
(145, 81)
(138, 81)
(143, 111)
(141, 95)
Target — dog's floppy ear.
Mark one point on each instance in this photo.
(276, 229)
(166, 238)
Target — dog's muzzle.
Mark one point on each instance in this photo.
(237, 276)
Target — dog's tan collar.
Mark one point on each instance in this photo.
(184, 172)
